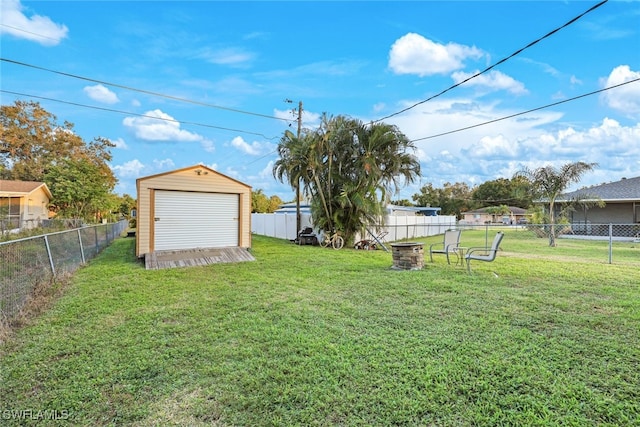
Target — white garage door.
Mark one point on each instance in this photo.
(185, 220)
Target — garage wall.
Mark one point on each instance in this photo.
(187, 179)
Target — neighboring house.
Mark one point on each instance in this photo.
(621, 198)
(395, 210)
(291, 208)
(23, 204)
(516, 215)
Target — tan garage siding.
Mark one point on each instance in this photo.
(191, 179)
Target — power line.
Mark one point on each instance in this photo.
(111, 110)
(495, 64)
(526, 112)
(57, 39)
(147, 92)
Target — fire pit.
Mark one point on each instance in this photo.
(408, 256)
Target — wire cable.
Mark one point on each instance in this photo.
(147, 92)
(496, 64)
(111, 110)
(57, 39)
(526, 112)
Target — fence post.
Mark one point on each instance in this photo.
(610, 243)
(486, 235)
(50, 255)
(95, 233)
(81, 247)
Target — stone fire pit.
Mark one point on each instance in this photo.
(408, 256)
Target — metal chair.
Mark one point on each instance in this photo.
(449, 244)
(486, 254)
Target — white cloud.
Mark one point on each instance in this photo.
(101, 94)
(267, 171)
(130, 169)
(231, 172)
(415, 54)
(239, 143)
(208, 146)
(255, 148)
(625, 99)
(309, 118)
(500, 149)
(227, 56)
(378, 107)
(494, 147)
(120, 144)
(444, 115)
(493, 80)
(159, 126)
(37, 28)
(163, 164)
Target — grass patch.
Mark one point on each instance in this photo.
(311, 336)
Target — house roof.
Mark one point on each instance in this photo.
(194, 167)
(22, 188)
(627, 189)
(514, 210)
(420, 209)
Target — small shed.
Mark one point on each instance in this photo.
(190, 208)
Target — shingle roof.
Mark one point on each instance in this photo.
(627, 189)
(21, 187)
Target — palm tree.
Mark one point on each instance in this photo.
(291, 165)
(548, 183)
(349, 169)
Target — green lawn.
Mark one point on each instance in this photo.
(311, 336)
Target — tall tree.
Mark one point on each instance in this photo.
(274, 204)
(260, 203)
(453, 199)
(34, 147)
(348, 169)
(502, 191)
(292, 163)
(547, 184)
(80, 190)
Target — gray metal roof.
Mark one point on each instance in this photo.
(627, 189)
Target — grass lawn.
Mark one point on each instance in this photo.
(311, 336)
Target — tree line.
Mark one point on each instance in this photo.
(34, 146)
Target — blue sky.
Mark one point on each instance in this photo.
(219, 74)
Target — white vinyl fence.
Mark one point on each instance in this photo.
(399, 227)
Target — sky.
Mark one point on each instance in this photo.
(175, 84)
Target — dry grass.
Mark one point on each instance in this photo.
(38, 302)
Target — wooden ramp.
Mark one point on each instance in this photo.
(193, 257)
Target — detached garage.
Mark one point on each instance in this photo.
(192, 208)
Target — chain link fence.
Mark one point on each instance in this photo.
(29, 262)
(606, 243)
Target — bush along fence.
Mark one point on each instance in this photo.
(27, 263)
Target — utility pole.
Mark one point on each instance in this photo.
(298, 219)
